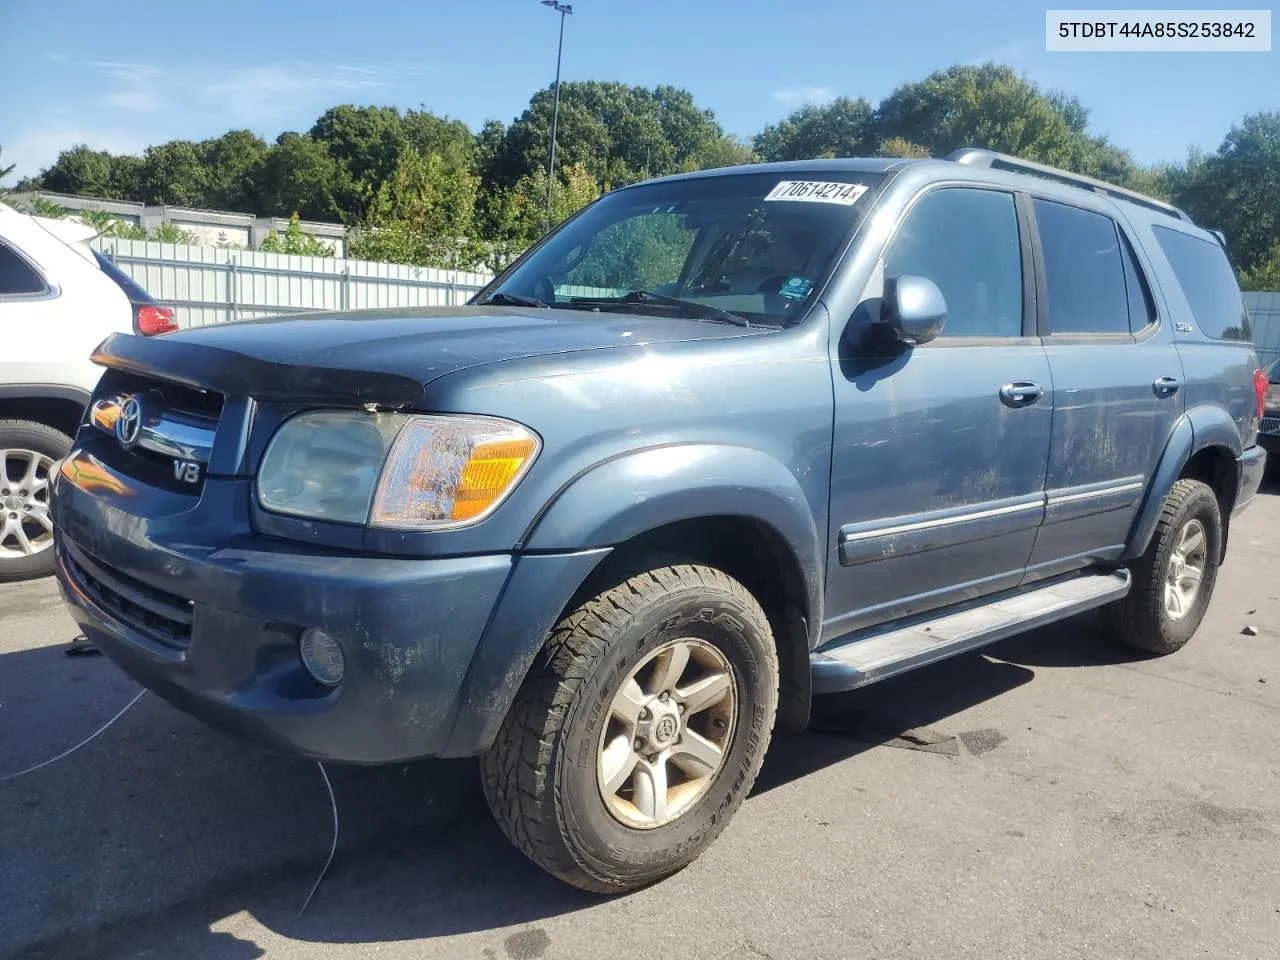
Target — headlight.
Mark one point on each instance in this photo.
(393, 470)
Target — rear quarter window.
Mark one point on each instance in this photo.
(1206, 280)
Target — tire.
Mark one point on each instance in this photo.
(543, 776)
(1143, 619)
(26, 543)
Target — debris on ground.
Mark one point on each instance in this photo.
(1249, 631)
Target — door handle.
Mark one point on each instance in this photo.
(1166, 386)
(1020, 393)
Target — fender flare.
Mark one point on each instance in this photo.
(1196, 430)
(44, 391)
(632, 494)
(607, 504)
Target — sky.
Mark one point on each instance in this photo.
(120, 75)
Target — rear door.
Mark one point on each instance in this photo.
(938, 460)
(1117, 383)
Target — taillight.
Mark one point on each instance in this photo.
(1260, 384)
(151, 320)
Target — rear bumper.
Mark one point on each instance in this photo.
(434, 648)
(1250, 468)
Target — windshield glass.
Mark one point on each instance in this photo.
(755, 245)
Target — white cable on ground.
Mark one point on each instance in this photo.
(333, 848)
(66, 753)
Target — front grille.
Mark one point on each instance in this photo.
(173, 442)
(204, 404)
(1270, 425)
(158, 615)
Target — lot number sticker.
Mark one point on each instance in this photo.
(817, 191)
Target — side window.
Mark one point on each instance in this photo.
(1207, 282)
(1142, 311)
(1084, 270)
(966, 241)
(17, 277)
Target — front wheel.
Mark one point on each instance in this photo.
(28, 452)
(1173, 581)
(639, 730)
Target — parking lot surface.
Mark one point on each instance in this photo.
(1054, 796)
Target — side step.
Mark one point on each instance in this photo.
(874, 657)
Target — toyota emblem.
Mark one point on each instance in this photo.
(129, 423)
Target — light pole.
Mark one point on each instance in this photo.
(564, 9)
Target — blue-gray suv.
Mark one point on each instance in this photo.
(718, 444)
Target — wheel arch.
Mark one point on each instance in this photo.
(1203, 445)
(731, 507)
(54, 405)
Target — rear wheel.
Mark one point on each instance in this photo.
(28, 451)
(1173, 581)
(638, 731)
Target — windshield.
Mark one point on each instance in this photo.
(758, 246)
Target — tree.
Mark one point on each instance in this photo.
(988, 106)
(725, 151)
(296, 241)
(898, 147)
(365, 144)
(299, 176)
(424, 214)
(1265, 275)
(1237, 189)
(516, 217)
(233, 168)
(79, 171)
(5, 171)
(841, 128)
(173, 173)
(619, 134)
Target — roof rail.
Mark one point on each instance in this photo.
(975, 157)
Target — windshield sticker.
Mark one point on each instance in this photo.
(817, 191)
(796, 288)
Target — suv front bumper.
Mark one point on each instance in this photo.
(212, 625)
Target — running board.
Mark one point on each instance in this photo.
(875, 657)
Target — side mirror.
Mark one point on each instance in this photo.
(912, 309)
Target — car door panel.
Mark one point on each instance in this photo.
(939, 452)
(1116, 379)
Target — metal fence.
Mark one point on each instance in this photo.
(1264, 318)
(215, 284)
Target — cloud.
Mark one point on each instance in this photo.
(799, 96)
(259, 92)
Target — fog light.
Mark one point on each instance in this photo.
(322, 656)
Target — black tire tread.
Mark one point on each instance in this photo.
(514, 771)
(1135, 620)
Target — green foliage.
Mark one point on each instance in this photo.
(109, 225)
(171, 233)
(297, 242)
(40, 207)
(514, 218)
(4, 172)
(1237, 189)
(422, 188)
(841, 128)
(424, 213)
(1265, 274)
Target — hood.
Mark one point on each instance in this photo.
(381, 356)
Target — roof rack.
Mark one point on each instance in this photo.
(975, 157)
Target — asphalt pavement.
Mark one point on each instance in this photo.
(1054, 796)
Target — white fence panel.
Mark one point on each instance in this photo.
(215, 284)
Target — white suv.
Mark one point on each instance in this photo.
(59, 299)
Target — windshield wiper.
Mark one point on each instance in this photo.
(699, 311)
(513, 300)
